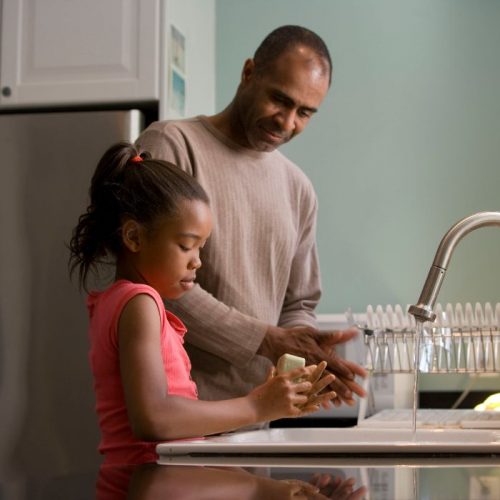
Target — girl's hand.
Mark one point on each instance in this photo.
(290, 394)
(281, 395)
(319, 382)
(337, 487)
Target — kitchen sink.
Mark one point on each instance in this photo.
(317, 441)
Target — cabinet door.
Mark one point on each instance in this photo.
(74, 52)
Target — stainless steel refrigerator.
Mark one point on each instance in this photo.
(47, 420)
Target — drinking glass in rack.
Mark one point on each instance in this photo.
(445, 348)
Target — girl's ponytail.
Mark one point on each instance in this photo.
(96, 234)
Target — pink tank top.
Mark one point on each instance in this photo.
(118, 443)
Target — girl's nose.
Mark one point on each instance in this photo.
(195, 262)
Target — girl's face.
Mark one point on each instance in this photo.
(169, 255)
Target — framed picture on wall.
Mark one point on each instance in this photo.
(177, 74)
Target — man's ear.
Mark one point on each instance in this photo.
(131, 235)
(248, 71)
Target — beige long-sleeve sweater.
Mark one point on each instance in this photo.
(260, 265)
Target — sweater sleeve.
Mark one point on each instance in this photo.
(304, 285)
(211, 325)
(217, 328)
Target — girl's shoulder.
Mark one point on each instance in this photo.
(118, 294)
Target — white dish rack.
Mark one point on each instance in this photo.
(461, 340)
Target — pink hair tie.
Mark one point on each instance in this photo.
(136, 159)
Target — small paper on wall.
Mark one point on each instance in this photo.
(177, 75)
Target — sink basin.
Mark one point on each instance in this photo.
(339, 441)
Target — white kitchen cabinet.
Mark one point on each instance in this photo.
(67, 52)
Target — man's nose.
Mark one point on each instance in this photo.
(287, 120)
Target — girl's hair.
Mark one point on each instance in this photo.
(126, 185)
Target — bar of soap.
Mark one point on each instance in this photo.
(289, 362)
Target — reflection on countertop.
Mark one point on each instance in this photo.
(184, 482)
(259, 478)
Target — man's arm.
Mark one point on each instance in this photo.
(217, 328)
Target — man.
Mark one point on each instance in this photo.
(259, 283)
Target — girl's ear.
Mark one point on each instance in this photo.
(131, 235)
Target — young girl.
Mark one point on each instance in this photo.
(151, 219)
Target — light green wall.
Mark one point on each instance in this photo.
(406, 143)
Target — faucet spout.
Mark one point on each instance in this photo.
(423, 311)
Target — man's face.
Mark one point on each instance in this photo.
(276, 104)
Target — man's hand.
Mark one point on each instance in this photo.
(317, 346)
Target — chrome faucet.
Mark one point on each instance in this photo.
(423, 311)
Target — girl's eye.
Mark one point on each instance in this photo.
(183, 248)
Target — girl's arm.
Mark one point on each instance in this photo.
(155, 415)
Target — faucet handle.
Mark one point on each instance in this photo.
(422, 313)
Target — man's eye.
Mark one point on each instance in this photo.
(280, 99)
